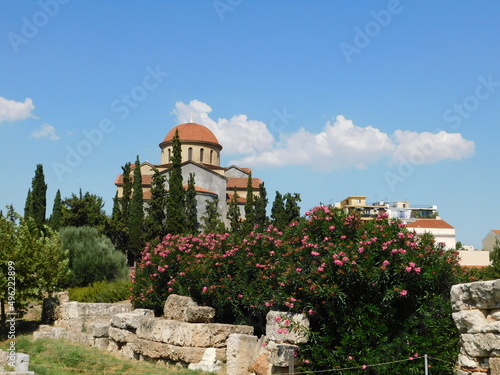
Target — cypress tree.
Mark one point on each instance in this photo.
(136, 217)
(278, 211)
(292, 208)
(176, 211)
(212, 222)
(260, 204)
(127, 192)
(249, 222)
(233, 214)
(39, 197)
(191, 207)
(28, 208)
(56, 219)
(155, 219)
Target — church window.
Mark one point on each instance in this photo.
(190, 153)
(169, 156)
(201, 155)
(211, 156)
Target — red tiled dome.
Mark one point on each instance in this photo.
(192, 132)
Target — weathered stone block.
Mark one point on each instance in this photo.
(199, 314)
(466, 361)
(175, 306)
(121, 335)
(479, 295)
(130, 320)
(481, 345)
(208, 363)
(280, 354)
(469, 320)
(261, 365)
(240, 353)
(219, 333)
(287, 327)
(45, 331)
(98, 329)
(101, 342)
(494, 366)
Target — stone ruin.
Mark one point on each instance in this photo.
(476, 312)
(185, 335)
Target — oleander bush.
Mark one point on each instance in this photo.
(373, 291)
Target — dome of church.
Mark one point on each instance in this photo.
(192, 132)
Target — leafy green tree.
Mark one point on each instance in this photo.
(492, 272)
(233, 213)
(278, 213)
(36, 202)
(84, 210)
(56, 219)
(176, 207)
(155, 218)
(212, 222)
(248, 224)
(192, 224)
(33, 257)
(260, 204)
(92, 256)
(136, 217)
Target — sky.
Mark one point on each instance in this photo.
(392, 100)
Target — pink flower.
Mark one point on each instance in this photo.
(307, 361)
(311, 312)
(285, 330)
(320, 269)
(350, 357)
(343, 237)
(298, 269)
(417, 269)
(332, 227)
(361, 250)
(408, 269)
(338, 262)
(204, 290)
(403, 293)
(278, 319)
(411, 264)
(314, 253)
(386, 263)
(287, 322)
(363, 367)
(280, 331)
(264, 343)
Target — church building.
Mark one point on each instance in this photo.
(200, 152)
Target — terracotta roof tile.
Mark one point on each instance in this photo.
(496, 231)
(192, 132)
(241, 183)
(146, 180)
(429, 223)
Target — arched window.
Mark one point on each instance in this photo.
(201, 155)
(169, 155)
(190, 153)
(211, 156)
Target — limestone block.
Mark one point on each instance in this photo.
(113, 346)
(121, 335)
(98, 329)
(494, 314)
(278, 330)
(208, 363)
(466, 361)
(71, 324)
(127, 351)
(199, 314)
(261, 365)
(219, 333)
(494, 366)
(479, 295)
(62, 297)
(467, 320)
(240, 353)
(481, 345)
(80, 338)
(490, 327)
(45, 331)
(175, 306)
(101, 342)
(174, 332)
(130, 320)
(280, 354)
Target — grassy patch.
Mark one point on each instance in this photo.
(58, 357)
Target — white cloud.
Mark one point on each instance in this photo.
(340, 144)
(10, 110)
(45, 131)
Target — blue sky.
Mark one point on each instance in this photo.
(393, 100)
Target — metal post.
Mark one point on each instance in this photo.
(291, 365)
(426, 365)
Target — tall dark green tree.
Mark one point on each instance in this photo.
(249, 222)
(212, 222)
(28, 207)
(292, 208)
(155, 218)
(176, 211)
(127, 193)
(56, 219)
(192, 224)
(136, 217)
(38, 197)
(233, 213)
(278, 214)
(260, 204)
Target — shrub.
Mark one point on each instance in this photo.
(92, 256)
(102, 291)
(373, 290)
